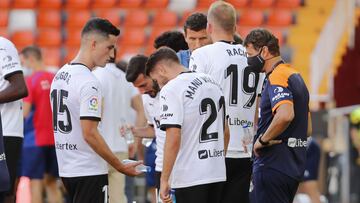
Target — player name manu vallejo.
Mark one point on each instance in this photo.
(66, 146)
(196, 83)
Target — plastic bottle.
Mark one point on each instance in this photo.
(139, 168)
(247, 139)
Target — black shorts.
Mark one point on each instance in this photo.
(238, 175)
(13, 147)
(89, 189)
(207, 193)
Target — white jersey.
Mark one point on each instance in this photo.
(75, 95)
(194, 102)
(11, 112)
(227, 64)
(152, 113)
(117, 96)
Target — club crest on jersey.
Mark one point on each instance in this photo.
(165, 107)
(93, 104)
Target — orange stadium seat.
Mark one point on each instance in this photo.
(77, 4)
(5, 4)
(149, 49)
(156, 4)
(262, 4)
(278, 32)
(4, 17)
(28, 4)
(127, 4)
(96, 4)
(49, 18)
(204, 4)
(243, 31)
(70, 53)
(4, 32)
(49, 4)
(73, 37)
(136, 18)
(49, 38)
(165, 18)
(77, 19)
(113, 15)
(23, 38)
(281, 18)
(123, 51)
(155, 33)
(186, 14)
(288, 4)
(132, 36)
(239, 3)
(52, 56)
(251, 18)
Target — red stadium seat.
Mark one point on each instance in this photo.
(23, 38)
(49, 4)
(204, 4)
(251, 18)
(96, 4)
(281, 18)
(136, 18)
(113, 15)
(165, 18)
(77, 4)
(49, 18)
(238, 3)
(129, 4)
(73, 37)
(156, 4)
(262, 4)
(52, 56)
(288, 4)
(5, 4)
(4, 17)
(132, 37)
(24, 4)
(77, 19)
(49, 38)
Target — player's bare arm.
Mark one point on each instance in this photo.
(283, 116)
(97, 143)
(226, 135)
(16, 90)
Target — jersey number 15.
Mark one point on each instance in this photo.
(60, 108)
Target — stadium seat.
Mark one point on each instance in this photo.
(132, 36)
(77, 19)
(70, 53)
(129, 4)
(23, 38)
(261, 4)
(243, 31)
(4, 32)
(156, 4)
(24, 4)
(77, 4)
(186, 14)
(149, 49)
(278, 32)
(49, 4)
(52, 56)
(73, 37)
(253, 18)
(49, 18)
(49, 38)
(281, 18)
(136, 18)
(238, 3)
(4, 17)
(125, 52)
(96, 4)
(165, 18)
(204, 4)
(5, 4)
(155, 33)
(288, 4)
(113, 15)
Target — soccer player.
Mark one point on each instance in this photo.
(281, 139)
(38, 153)
(195, 36)
(226, 62)
(12, 90)
(118, 97)
(193, 115)
(76, 101)
(4, 172)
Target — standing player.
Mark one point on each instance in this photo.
(12, 89)
(76, 103)
(193, 115)
(4, 172)
(38, 153)
(281, 139)
(226, 62)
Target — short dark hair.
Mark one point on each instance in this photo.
(172, 39)
(196, 22)
(159, 55)
(32, 51)
(122, 65)
(100, 26)
(136, 67)
(262, 37)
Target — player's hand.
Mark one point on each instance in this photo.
(165, 192)
(136, 132)
(129, 169)
(258, 145)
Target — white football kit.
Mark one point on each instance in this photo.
(75, 95)
(227, 64)
(194, 102)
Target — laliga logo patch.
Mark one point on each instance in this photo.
(93, 104)
(278, 90)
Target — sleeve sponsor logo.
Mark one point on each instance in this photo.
(280, 95)
(165, 116)
(93, 104)
(278, 90)
(2, 157)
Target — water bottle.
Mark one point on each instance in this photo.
(172, 196)
(126, 132)
(139, 168)
(247, 139)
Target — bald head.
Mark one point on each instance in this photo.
(222, 15)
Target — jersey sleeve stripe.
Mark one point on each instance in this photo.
(280, 103)
(163, 127)
(91, 118)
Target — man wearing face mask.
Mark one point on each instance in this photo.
(226, 62)
(281, 139)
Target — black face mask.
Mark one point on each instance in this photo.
(256, 62)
